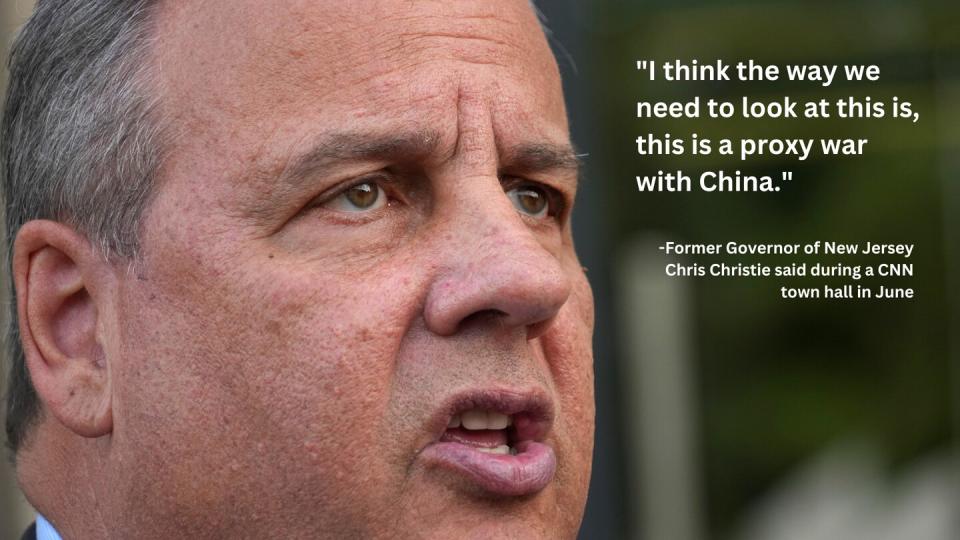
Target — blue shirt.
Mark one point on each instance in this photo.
(45, 530)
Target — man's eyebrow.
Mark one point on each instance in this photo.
(332, 148)
(541, 157)
(355, 146)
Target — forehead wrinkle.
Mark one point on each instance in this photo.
(412, 37)
(484, 37)
(475, 47)
(468, 23)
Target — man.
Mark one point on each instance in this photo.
(297, 269)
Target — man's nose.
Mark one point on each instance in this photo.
(495, 270)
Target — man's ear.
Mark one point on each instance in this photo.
(63, 285)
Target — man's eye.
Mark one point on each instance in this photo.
(530, 200)
(362, 197)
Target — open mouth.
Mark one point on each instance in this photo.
(486, 431)
(495, 440)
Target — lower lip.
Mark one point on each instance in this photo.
(526, 473)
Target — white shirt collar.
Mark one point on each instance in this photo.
(45, 530)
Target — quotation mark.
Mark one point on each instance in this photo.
(649, 65)
(787, 176)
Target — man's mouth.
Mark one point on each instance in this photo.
(495, 441)
(487, 431)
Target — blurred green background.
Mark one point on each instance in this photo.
(799, 419)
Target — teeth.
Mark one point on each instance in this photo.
(477, 419)
(502, 450)
(497, 420)
(474, 419)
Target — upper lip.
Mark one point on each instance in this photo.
(531, 409)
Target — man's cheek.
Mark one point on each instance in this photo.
(567, 345)
(312, 343)
(287, 376)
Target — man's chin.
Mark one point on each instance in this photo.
(469, 523)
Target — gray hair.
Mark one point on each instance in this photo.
(79, 141)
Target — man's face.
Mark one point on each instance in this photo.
(361, 237)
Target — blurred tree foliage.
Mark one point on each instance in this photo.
(782, 379)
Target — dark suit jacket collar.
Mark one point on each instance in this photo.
(30, 533)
